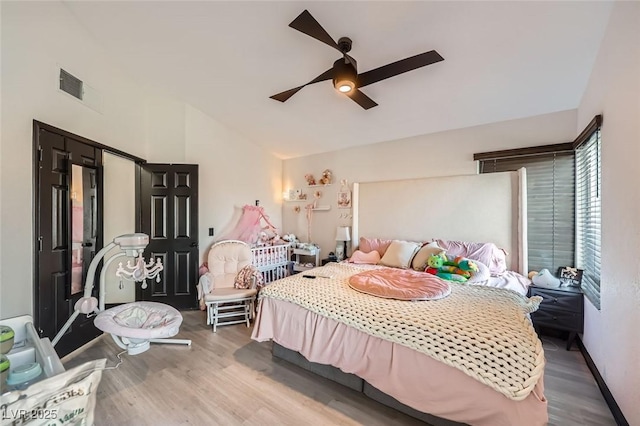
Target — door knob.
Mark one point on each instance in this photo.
(87, 244)
(193, 245)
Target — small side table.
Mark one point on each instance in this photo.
(561, 308)
(298, 266)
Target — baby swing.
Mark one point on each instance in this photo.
(133, 326)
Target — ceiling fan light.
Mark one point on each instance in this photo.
(344, 76)
(345, 86)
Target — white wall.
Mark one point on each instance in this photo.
(233, 172)
(165, 124)
(37, 38)
(119, 196)
(441, 154)
(611, 335)
(1, 110)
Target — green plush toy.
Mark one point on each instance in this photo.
(453, 269)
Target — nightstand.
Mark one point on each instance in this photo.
(562, 308)
(329, 259)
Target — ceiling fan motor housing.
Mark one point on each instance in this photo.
(344, 43)
(344, 73)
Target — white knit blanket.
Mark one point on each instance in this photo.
(483, 331)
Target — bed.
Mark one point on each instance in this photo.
(470, 358)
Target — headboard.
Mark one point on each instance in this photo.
(479, 208)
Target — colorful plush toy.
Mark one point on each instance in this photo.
(453, 269)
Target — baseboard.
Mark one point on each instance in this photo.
(606, 393)
(68, 357)
(112, 305)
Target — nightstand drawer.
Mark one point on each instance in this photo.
(558, 319)
(559, 300)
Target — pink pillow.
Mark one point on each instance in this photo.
(488, 253)
(371, 258)
(369, 244)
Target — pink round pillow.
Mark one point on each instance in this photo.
(401, 284)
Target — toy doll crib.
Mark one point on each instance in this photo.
(273, 262)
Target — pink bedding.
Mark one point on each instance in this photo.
(411, 377)
(487, 253)
(402, 284)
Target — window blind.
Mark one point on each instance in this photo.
(550, 205)
(588, 215)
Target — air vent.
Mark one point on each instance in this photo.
(70, 84)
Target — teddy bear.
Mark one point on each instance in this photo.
(456, 269)
(326, 177)
(310, 179)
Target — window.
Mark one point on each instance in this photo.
(550, 201)
(563, 197)
(588, 215)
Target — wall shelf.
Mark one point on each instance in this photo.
(314, 186)
(318, 208)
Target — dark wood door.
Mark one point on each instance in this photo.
(169, 215)
(68, 232)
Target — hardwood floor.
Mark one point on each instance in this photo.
(227, 379)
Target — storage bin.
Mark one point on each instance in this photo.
(29, 348)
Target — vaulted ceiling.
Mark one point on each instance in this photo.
(503, 60)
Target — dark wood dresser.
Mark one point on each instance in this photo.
(562, 308)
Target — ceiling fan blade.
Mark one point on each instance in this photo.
(361, 99)
(283, 96)
(398, 67)
(305, 23)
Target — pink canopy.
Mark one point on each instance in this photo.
(249, 227)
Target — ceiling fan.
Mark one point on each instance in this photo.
(344, 72)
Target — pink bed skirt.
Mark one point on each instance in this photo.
(411, 377)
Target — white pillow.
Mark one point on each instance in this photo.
(419, 262)
(399, 254)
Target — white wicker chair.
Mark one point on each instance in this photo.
(226, 304)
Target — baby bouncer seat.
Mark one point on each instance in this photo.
(133, 326)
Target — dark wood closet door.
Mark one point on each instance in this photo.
(169, 215)
(67, 232)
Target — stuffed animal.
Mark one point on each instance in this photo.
(453, 269)
(544, 278)
(290, 238)
(326, 177)
(310, 179)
